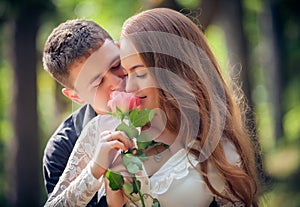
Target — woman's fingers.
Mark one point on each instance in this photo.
(116, 144)
(108, 147)
(108, 136)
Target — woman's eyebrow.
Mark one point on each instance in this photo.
(136, 66)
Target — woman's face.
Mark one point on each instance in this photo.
(139, 80)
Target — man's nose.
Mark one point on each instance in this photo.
(116, 81)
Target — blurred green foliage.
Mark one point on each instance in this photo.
(5, 124)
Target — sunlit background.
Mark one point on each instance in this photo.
(256, 42)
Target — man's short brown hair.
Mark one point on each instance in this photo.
(69, 43)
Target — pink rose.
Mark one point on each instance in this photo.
(124, 101)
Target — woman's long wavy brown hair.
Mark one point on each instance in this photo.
(196, 98)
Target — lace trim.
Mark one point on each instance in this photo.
(77, 185)
(177, 167)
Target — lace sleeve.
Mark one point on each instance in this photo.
(77, 185)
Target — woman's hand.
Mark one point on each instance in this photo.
(107, 150)
(114, 198)
(117, 198)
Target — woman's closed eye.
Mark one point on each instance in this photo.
(141, 74)
(138, 75)
(138, 71)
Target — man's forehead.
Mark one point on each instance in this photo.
(102, 57)
(97, 63)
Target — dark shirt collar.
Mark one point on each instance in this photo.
(82, 117)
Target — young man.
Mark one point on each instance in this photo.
(82, 57)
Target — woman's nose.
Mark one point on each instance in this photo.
(131, 85)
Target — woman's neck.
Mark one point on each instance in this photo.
(160, 154)
(167, 137)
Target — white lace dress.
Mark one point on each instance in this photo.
(176, 183)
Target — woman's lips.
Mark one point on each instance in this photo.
(142, 97)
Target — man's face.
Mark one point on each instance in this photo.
(96, 77)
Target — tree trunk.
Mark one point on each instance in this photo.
(273, 42)
(25, 169)
(230, 18)
(208, 11)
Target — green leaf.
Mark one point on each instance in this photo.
(140, 118)
(126, 114)
(131, 132)
(132, 163)
(141, 155)
(144, 140)
(133, 114)
(116, 180)
(132, 168)
(128, 188)
(143, 145)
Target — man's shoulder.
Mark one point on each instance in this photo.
(77, 120)
(69, 130)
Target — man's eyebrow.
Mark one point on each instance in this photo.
(95, 78)
(102, 74)
(114, 60)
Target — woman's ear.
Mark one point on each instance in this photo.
(71, 94)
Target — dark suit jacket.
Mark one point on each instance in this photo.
(60, 146)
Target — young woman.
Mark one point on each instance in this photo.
(169, 66)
